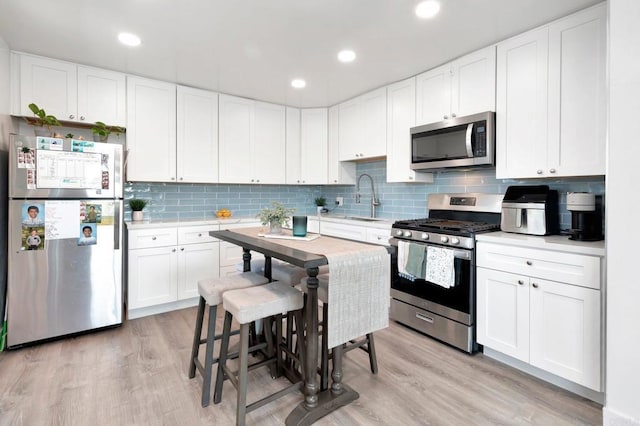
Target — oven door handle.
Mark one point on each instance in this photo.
(458, 254)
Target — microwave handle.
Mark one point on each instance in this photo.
(468, 140)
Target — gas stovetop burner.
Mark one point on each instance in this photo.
(432, 224)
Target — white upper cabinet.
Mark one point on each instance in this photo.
(68, 91)
(251, 141)
(401, 116)
(461, 87)
(339, 172)
(551, 99)
(151, 131)
(307, 146)
(197, 135)
(362, 127)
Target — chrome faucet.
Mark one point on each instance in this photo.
(374, 201)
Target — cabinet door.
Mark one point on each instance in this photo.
(153, 276)
(521, 106)
(473, 83)
(433, 95)
(196, 262)
(293, 172)
(503, 312)
(401, 116)
(342, 230)
(50, 84)
(349, 131)
(314, 140)
(339, 172)
(565, 331)
(269, 147)
(197, 135)
(151, 131)
(236, 135)
(372, 124)
(577, 93)
(101, 96)
(379, 236)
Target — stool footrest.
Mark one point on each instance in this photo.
(264, 401)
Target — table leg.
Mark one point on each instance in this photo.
(318, 404)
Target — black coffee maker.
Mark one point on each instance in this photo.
(586, 216)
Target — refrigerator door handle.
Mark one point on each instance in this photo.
(116, 225)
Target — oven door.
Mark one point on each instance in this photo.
(455, 303)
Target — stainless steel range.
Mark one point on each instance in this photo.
(433, 283)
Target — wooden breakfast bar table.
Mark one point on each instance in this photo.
(308, 255)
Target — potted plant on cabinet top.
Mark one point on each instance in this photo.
(42, 120)
(321, 202)
(275, 216)
(136, 205)
(101, 131)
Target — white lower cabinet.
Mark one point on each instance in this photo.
(554, 326)
(165, 265)
(351, 230)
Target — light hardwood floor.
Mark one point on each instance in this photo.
(137, 375)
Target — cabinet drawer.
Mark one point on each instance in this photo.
(557, 266)
(340, 230)
(378, 236)
(231, 254)
(157, 237)
(196, 234)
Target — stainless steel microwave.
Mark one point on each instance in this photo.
(459, 142)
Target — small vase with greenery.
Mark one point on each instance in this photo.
(101, 131)
(136, 205)
(321, 202)
(41, 120)
(275, 216)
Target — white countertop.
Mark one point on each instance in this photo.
(161, 223)
(550, 242)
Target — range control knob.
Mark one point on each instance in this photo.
(398, 233)
(407, 234)
(455, 241)
(425, 236)
(444, 239)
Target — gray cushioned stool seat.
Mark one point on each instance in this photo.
(250, 304)
(282, 271)
(212, 289)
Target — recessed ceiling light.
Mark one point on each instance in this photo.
(427, 9)
(298, 83)
(129, 39)
(346, 56)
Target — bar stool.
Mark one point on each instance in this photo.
(366, 344)
(246, 306)
(211, 291)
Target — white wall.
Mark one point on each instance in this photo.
(622, 405)
(5, 120)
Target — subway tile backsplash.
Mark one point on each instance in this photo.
(398, 200)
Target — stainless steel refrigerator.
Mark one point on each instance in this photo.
(65, 238)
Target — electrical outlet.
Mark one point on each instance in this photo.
(339, 201)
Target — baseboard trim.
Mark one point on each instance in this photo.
(613, 418)
(546, 376)
(160, 309)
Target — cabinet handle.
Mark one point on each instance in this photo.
(154, 238)
(71, 116)
(552, 170)
(82, 117)
(181, 178)
(453, 114)
(534, 285)
(252, 180)
(335, 181)
(298, 181)
(199, 235)
(304, 181)
(445, 117)
(410, 177)
(172, 178)
(520, 282)
(182, 249)
(257, 180)
(539, 171)
(529, 263)
(173, 250)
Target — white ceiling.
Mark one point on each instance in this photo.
(254, 48)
